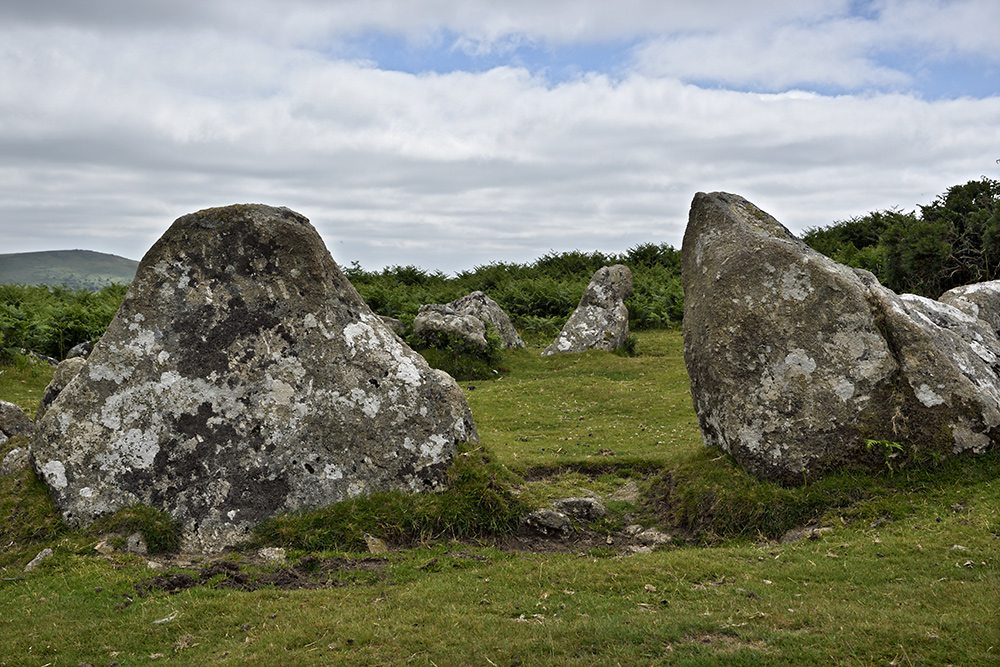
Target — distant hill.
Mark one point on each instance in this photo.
(77, 269)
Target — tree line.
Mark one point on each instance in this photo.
(952, 241)
(539, 297)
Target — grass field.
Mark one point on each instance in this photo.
(902, 568)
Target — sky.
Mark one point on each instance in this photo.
(450, 134)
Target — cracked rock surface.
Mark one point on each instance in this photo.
(797, 362)
(244, 377)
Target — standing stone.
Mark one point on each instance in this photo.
(242, 377)
(797, 363)
(600, 322)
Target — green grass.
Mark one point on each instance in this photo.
(904, 572)
(24, 382)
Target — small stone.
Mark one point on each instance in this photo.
(549, 523)
(272, 554)
(16, 460)
(37, 560)
(376, 545)
(13, 421)
(653, 537)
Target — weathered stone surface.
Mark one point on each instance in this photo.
(980, 300)
(13, 422)
(14, 461)
(586, 509)
(796, 361)
(80, 350)
(489, 311)
(65, 372)
(435, 318)
(548, 523)
(600, 321)
(243, 377)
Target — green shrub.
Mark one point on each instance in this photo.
(458, 357)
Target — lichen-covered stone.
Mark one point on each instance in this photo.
(489, 311)
(65, 372)
(797, 362)
(980, 300)
(433, 319)
(600, 321)
(243, 377)
(13, 421)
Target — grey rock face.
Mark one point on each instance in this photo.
(13, 421)
(587, 509)
(796, 361)
(436, 318)
(243, 377)
(981, 300)
(548, 523)
(600, 322)
(65, 372)
(489, 311)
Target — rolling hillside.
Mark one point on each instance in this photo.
(77, 269)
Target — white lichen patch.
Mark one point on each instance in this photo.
(795, 284)
(434, 447)
(843, 388)
(927, 396)
(55, 474)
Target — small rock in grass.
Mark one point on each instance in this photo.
(548, 523)
(37, 560)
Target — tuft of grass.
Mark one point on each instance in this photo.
(161, 532)
(27, 517)
(477, 504)
(711, 499)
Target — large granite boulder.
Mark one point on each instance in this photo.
(799, 364)
(489, 311)
(600, 321)
(243, 376)
(435, 318)
(457, 318)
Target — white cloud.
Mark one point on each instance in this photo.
(110, 129)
